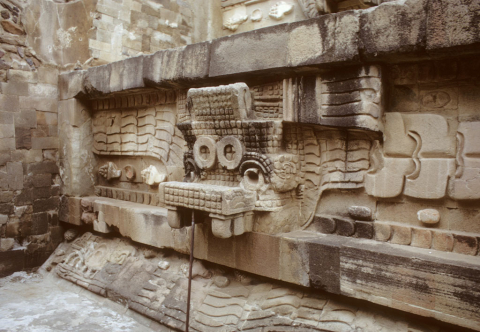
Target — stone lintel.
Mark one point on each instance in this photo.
(370, 36)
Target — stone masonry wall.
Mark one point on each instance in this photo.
(124, 28)
(29, 180)
(39, 39)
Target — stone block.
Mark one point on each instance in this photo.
(4, 158)
(324, 224)
(46, 118)
(401, 235)
(465, 244)
(382, 29)
(6, 244)
(162, 66)
(70, 210)
(391, 276)
(39, 104)
(257, 253)
(15, 88)
(42, 167)
(126, 74)
(294, 259)
(48, 75)
(27, 156)
(7, 144)
(442, 241)
(6, 196)
(23, 138)
(43, 205)
(6, 117)
(345, 227)
(52, 218)
(42, 180)
(364, 230)
(360, 213)
(41, 143)
(195, 61)
(3, 219)
(37, 226)
(97, 80)
(43, 192)
(11, 261)
(9, 103)
(15, 175)
(26, 119)
(324, 263)
(13, 229)
(428, 216)
(25, 197)
(71, 85)
(451, 24)
(7, 131)
(383, 232)
(421, 238)
(266, 50)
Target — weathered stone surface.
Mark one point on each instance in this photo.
(442, 241)
(345, 227)
(421, 238)
(11, 261)
(364, 230)
(428, 216)
(383, 232)
(401, 235)
(360, 213)
(464, 244)
(325, 224)
(401, 270)
(445, 31)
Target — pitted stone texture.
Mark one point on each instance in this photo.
(360, 213)
(428, 216)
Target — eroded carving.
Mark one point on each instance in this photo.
(152, 176)
(110, 171)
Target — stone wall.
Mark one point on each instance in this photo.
(29, 175)
(123, 28)
(38, 40)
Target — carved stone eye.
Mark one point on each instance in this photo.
(230, 152)
(204, 152)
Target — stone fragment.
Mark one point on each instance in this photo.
(421, 238)
(364, 230)
(221, 281)
(428, 216)
(382, 232)
(11, 27)
(164, 265)
(360, 213)
(152, 176)
(464, 244)
(345, 227)
(442, 241)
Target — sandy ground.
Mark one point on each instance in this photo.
(33, 303)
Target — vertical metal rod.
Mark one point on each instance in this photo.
(190, 273)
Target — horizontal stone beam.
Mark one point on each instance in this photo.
(391, 32)
(445, 286)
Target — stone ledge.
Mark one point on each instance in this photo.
(445, 286)
(352, 37)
